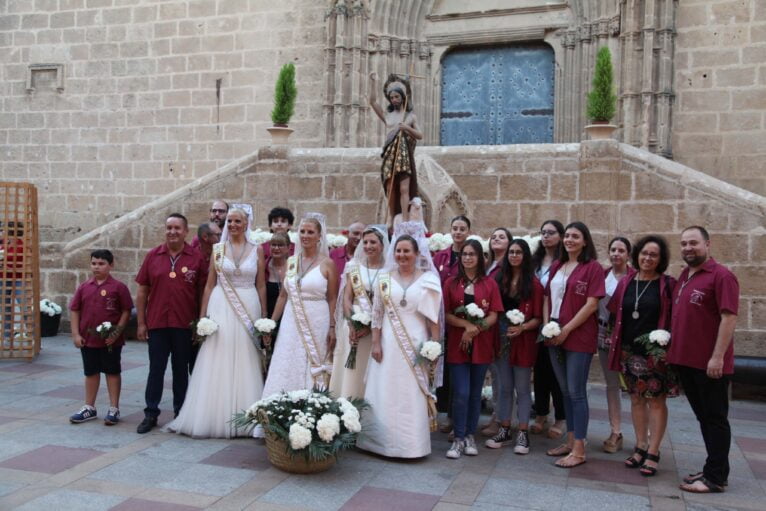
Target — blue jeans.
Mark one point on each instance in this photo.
(163, 343)
(572, 375)
(467, 382)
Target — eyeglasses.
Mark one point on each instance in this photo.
(278, 245)
(214, 210)
(548, 233)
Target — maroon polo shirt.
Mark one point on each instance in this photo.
(446, 269)
(172, 302)
(195, 242)
(340, 258)
(585, 281)
(487, 297)
(696, 316)
(97, 303)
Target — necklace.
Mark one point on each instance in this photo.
(469, 283)
(683, 285)
(403, 301)
(237, 260)
(372, 280)
(303, 273)
(173, 261)
(635, 313)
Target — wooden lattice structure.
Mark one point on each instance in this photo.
(19, 271)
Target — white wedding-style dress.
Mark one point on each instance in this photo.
(227, 374)
(290, 368)
(397, 424)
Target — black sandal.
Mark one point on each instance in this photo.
(632, 462)
(646, 470)
(708, 486)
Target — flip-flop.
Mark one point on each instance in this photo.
(707, 486)
(581, 461)
(691, 478)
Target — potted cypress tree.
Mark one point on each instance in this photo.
(284, 105)
(602, 101)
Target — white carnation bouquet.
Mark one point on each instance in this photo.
(473, 314)
(360, 320)
(655, 342)
(264, 326)
(49, 308)
(430, 350)
(515, 317)
(104, 331)
(201, 328)
(549, 331)
(438, 241)
(336, 240)
(312, 424)
(259, 236)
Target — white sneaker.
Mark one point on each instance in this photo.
(456, 450)
(470, 446)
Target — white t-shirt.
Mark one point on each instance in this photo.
(558, 288)
(610, 283)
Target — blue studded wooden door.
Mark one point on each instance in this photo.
(497, 95)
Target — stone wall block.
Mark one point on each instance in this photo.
(598, 186)
(519, 187)
(758, 314)
(364, 212)
(637, 217)
(503, 214)
(708, 214)
(479, 187)
(751, 279)
(343, 187)
(653, 187)
(563, 187)
(331, 210)
(598, 216)
(532, 215)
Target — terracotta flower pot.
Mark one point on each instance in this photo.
(600, 131)
(279, 134)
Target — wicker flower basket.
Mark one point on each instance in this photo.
(276, 448)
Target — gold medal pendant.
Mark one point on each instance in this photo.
(172, 274)
(403, 302)
(184, 269)
(237, 272)
(103, 292)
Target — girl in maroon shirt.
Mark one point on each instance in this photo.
(470, 348)
(575, 286)
(519, 289)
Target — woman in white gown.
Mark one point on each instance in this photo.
(406, 311)
(307, 329)
(227, 375)
(360, 277)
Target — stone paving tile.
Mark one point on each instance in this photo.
(50, 459)
(759, 468)
(68, 392)
(208, 479)
(71, 499)
(757, 445)
(522, 494)
(610, 471)
(379, 499)
(6, 488)
(251, 457)
(179, 448)
(141, 469)
(587, 500)
(28, 367)
(134, 504)
(5, 420)
(416, 478)
(748, 414)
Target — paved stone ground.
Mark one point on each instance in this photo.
(47, 463)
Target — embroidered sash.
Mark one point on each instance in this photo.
(408, 348)
(320, 371)
(360, 293)
(229, 291)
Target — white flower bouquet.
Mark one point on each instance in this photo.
(549, 331)
(473, 314)
(49, 308)
(484, 243)
(201, 328)
(259, 236)
(430, 351)
(104, 331)
(515, 317)
(336, 240)
(438, 241)
(360, 320)
(655, 342)
(264, 326)
(312, 424)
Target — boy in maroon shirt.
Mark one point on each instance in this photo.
(170, 284)
(705, 303)
(98, 300)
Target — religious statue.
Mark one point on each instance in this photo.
(397, 173)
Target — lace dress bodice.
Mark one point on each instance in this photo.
(248, 268)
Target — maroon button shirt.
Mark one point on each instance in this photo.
(585, 281)
(442, 260)
(696, 316)
(97, 303)
(486, 295)
(524, 347)
(340, 258)
(172, 302)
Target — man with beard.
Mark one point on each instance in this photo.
(705, 302)
(218, 211)
(170, 284)
(341, 255)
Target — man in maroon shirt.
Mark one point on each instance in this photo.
(705, 302)
(341, 255)
(170, 284)
(218, 211)
(208, 234)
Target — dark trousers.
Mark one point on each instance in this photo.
(444, 393)
(193, 355)
(163, 343)
(467, 382)
(546, 385)
(709, 399)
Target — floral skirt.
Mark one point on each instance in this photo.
(648, 375)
